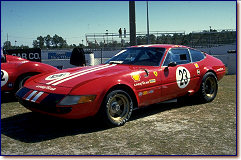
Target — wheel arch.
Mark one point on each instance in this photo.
(212, 71)
(202, 94)
(22, 76)
(126, 88)
(207, 70)
(103, 113)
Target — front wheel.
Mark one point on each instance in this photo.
(117, 108)
(209, 87)
(22, 81)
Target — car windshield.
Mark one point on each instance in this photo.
(147, 56)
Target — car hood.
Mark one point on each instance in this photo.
(76, 76)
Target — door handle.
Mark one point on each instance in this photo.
(147, 73)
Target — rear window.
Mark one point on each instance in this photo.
(196, 55)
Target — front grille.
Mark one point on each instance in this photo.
(45, 108)
(48, 104)
(21, 92)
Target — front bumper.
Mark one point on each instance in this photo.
(47, 103)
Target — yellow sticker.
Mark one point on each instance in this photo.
(196, 65)
(145, 93)
(152, 80)
(155, 73)
(136, 77)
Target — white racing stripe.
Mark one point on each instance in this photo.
(86, 70)
(37, 96)
(66, 79)
(31, 95)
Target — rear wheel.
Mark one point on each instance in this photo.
(117, 108)
(209, 87)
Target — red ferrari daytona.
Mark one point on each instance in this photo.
(135, 77)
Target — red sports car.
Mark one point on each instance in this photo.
(135, 77)
(15, 71)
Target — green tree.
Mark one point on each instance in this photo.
(141, 40)
(35, 44)
(40, 41)
(55, 41)
(81, 45)
(47, 40)
(92, 45)
(7, 45)
(152, 38)
(23, 47)
(62, 43)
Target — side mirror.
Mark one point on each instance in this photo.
(78, 57)
(172, 64)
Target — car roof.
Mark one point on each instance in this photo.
(160, 46)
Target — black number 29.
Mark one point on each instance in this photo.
(2, 74)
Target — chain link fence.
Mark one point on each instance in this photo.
(104, 46)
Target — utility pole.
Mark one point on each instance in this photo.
(147, 20)
(132, 23)
(210, 30)
(107, 36)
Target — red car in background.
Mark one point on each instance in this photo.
(135, 77)
(15, 71)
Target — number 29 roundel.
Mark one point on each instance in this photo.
(182, 77)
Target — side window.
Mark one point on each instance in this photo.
(168, 58)
(178, 55)
(196, 55)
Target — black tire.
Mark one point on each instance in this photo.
(209, 88)
(116, 108)
(21, 80)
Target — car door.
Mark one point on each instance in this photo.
(147, 79)
(147, 85)
(178, 73)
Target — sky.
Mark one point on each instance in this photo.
(24, 21)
